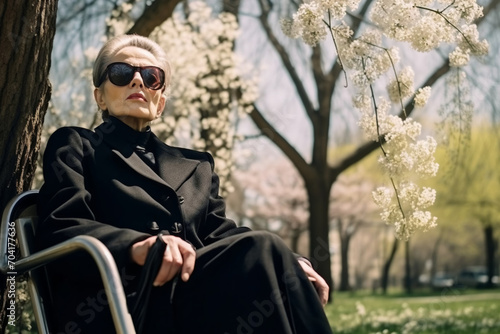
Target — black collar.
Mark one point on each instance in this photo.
(125, 134)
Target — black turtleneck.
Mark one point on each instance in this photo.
(140, 140)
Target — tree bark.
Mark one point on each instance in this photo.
(319, 245)
(26, 36)
(231, 6)
(387, 267)
(345, 239)
(407, 268)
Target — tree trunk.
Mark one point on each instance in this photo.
(490, 244)
(407, 268)
(319, 241)
(387, 267)
(435, 252)
(26, 36)
(345, 238)
(344, 260)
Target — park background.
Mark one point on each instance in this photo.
(284, 130)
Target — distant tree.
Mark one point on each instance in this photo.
(275, 199)
(351, 207)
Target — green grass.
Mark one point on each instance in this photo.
(449, 311)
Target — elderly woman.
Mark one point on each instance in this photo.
(122, 185)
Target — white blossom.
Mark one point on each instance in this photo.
(469, 10)
(289, 28)
(308, 22)
(402, 86)
(422, 96)
(360, 309)
(382, 196)
(414, 200)
(470, 41)
(338, 8)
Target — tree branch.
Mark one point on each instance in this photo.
(367, 148)
(297, 81)
(73, 15)
(358, 19)
(317, 70)
(270, 132)
(154, 15)
(491, 6)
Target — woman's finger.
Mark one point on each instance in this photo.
(189, 258)
(319, 283)
(171, 264)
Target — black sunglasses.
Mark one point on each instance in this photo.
(121, 74)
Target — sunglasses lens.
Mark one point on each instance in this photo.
(153, 77)
(120, 74)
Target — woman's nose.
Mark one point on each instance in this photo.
(137, 80)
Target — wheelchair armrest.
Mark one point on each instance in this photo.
(107, 268)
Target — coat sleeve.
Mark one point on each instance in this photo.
(218, 226)
(64, 206)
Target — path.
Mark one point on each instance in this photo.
(452, 295)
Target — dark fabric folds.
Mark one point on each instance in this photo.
(149, 271)
(244, 284)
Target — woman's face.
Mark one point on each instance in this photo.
(134, 104)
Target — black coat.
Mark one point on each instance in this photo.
(96, 184)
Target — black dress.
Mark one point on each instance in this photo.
(100, 183)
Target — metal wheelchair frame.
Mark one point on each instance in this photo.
(20, 213)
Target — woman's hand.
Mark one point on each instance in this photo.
(179, 256)
(319, 283)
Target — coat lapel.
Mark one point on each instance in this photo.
(139, 166)
(174, 168)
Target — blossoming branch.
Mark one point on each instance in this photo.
(424, 25)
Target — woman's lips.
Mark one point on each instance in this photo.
(136, 96)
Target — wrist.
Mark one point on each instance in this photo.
(305, 260)
(139, 252)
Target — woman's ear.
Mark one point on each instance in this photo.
(161, 105)
(99, 98)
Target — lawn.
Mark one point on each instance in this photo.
(449, 311)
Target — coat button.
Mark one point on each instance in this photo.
(177, 228)
(181, 199)
(154, 226)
